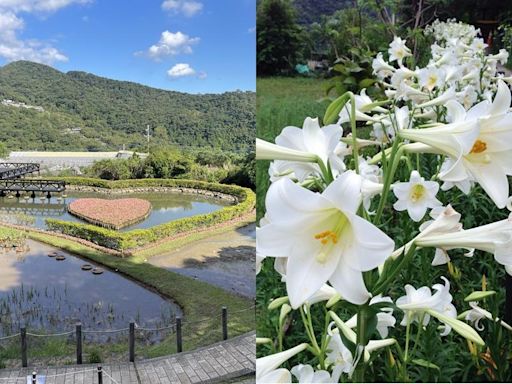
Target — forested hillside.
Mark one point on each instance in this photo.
(86, 112)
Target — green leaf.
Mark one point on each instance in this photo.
(350, 80)
(334, 109)
(365, 83)
(425, 363)
(479, 295)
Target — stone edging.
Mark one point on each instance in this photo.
(124, 191)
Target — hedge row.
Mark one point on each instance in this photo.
(123, 241)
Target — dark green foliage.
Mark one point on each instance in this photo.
(278, 38)
(140, 237)
(3, 150)
(244, 175)
(115, 113)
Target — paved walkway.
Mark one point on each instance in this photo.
(217, 363)
(227, 260)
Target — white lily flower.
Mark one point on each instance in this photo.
(420, 302)
(416, 196)
(382, 68)
(325, 293)
(416, 302)
(440, 100)
(477, 313)
(339, 356)
(453, 139)
(495, 238)
(490, 158)
(398, 50)
(431, 77)
(363, 104)
(302, 148)
(266, 367)
(306, 374)
(501, 56)
(385, 318)
(322, 238)
(446, 219)
(279, 169)
(269, 151)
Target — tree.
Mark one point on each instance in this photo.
(3, 151)
(278, 37)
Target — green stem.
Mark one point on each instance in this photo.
(386, 279)
(325, 172)
(306, 319)
(407, 338)
(396, 153)
(361, 341)
(355, 150)
(418, 334)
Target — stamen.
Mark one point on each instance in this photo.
(417, 192)
(479, 147)
(327, 236)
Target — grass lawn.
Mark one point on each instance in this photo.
(201, 303)
(283, 101)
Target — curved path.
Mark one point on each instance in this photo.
(227, 260)
(217, 363)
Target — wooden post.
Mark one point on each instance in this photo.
(224, 323)
(179, 341)
(23, 333)
(100, 375)
(508, 298)
(132, 342)
(79, 343)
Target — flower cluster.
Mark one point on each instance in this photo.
(114, 214)
(326, 204)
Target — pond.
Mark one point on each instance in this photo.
(51, 296)
(165, 207)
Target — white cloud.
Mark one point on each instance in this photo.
(187, 7)
(171, 44)
(184, 70)
(181, 70)
(251, 30)
(38, 5)
(12, 47)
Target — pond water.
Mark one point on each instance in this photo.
(165, 207)
(51, 296)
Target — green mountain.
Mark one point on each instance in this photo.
(82, 111)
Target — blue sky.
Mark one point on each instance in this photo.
(196, 46)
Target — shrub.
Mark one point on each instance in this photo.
(122, 241)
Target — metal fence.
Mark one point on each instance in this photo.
(79, 333)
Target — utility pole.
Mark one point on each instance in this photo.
(148, 135)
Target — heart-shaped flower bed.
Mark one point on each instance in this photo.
(114, 214)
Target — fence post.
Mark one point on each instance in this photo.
(132, 342)
(23, 334)
(79, 343)
(224, 323)
(179, 341)
(100, 375)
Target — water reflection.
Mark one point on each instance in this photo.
(50, 295)
(165, 207)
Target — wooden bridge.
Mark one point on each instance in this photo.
(33, 186)
(15, 170)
